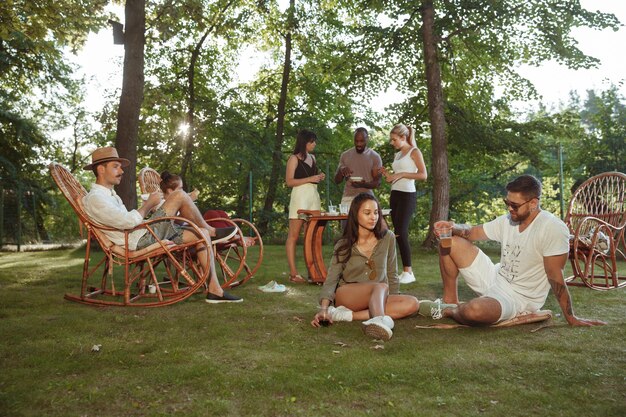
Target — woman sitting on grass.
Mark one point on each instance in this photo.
(363, 273)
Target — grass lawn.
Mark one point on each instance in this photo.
(262, 357)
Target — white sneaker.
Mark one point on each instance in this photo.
(388, 321)
(273, 286)
(407, 277)
(377, 329)
(340, 313)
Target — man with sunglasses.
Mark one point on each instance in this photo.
(535, 246)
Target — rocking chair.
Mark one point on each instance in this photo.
(239, 253)
(136, 285)
(596, 217)
(243, 251)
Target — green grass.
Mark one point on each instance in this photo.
(262, 357)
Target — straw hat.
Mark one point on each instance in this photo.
(106, 154)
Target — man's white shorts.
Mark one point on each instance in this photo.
(482, 277)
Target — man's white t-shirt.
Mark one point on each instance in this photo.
(521, 259)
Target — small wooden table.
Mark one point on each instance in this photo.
(313, 255)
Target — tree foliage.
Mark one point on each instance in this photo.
(199, 119)
(480, 47)
(37, 88)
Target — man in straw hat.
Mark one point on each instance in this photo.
(103, 205)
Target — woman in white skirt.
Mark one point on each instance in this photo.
(302, 176)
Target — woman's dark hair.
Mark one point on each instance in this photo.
(302, 138)
(351, 231)
(168, 181)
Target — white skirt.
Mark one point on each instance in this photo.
(304, 197)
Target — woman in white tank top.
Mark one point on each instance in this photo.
(408, 166)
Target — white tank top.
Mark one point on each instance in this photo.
(404, 164)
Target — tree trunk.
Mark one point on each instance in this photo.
(441, 183)
(74, 162)
(131, 98)
(277, 160)
(191, 108)
(191, 99)
(243, 201)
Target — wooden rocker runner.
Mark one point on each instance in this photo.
(131, 278)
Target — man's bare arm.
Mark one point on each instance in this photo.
(149, 204)
(469, 232)
(340, 174)
(554, 266)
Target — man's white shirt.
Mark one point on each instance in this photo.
(105, 207)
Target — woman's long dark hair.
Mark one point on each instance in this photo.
(302, 138)
(351, 231)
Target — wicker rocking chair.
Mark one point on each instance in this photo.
(129, 278)
(596, 217)
(239, 257)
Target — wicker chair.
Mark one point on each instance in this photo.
(239, 257)
(129, 278)
(596, 217)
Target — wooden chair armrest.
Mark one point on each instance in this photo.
(164, 245)
(594, 233)
(587, 224)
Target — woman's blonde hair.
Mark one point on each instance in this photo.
(406, 131)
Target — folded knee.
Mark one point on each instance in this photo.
(470, 311)
(478, 313)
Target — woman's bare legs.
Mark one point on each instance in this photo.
(371, 300)
(290, 245)
(206, 259)
(401, 305)
(179, 201)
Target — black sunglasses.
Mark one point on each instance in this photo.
(516, 206)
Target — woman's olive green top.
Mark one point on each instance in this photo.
(359, 268)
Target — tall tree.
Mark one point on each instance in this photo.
(604, 116)
(35, 81)
(441, 186)
(280, 119)
(131, 97)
